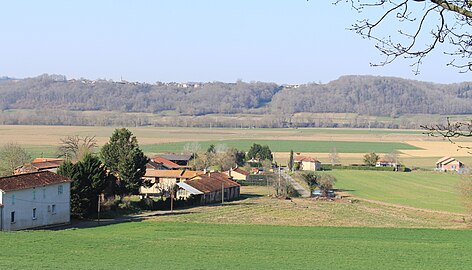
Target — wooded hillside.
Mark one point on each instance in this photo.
(363, 95)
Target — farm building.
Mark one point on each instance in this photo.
(32, 200)
(307, 163)
(160, 163)
(449, 164)
(386, 163)
(41, 164)
(237, 174)
(214, 186)
(180, 159)
(165, 179)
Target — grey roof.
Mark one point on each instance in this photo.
(189, 188)
(182, 157)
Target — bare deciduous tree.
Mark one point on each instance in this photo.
(334, 156)
(76, 147)
(421, 26)
(12, 155)
(451, 131)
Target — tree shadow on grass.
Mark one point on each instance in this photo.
(83, 224)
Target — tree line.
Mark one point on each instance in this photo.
(85, 102)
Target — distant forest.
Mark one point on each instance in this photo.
(53, 99)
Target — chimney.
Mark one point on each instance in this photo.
(230, 171)
(205, 171)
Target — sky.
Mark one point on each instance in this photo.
(282, 41)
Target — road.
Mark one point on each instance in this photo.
(301, 190)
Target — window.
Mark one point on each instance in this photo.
(12, 217)
(59, 190)
(34, 213)
(34, 194)
(13, 199)
(53, 209)
(44, 193)
(49, 208)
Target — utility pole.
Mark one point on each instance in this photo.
(172, 200)
(98, 208)
(222, 192)
(280, 174)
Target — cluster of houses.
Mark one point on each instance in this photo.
(168, 172)
(35, 196)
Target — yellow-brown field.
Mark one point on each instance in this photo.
(432, 148)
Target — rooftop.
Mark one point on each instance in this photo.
(186, 174)
(211, 182)
(31, 180)
(178, 157)
(166, 162)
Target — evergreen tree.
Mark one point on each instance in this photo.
(123, 157)
(290, 161)
(90, 179)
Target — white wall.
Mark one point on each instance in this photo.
(22, 202)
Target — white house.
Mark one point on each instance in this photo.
(307, 163)
(34, 200)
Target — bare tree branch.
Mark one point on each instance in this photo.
(422, 25)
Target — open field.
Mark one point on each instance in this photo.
(427, 190)
(287, 145)
(257, 208)
(416, 149)
(176, 245)
(50, 135)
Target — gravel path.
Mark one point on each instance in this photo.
(301, 190)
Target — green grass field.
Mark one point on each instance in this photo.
(41, 150)
(170, 245)
(287, 145)
(428, 190)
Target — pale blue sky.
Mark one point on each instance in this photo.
(285, 41)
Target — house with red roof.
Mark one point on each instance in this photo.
(237, 174)
(32, 200)
(162, 180)
(449, 164)
(213, 186)
(307, 163)
(160, 163)
(41, 164)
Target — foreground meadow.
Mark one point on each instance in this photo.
(177, 245)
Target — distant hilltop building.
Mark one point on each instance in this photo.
(291, 86)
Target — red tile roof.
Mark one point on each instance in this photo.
(167, 163)
(48, 160)
(211, 182)
(241, 171)
(304, 158)
(446, 160)
(46, 165)
(180, 174)
(30, 180)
